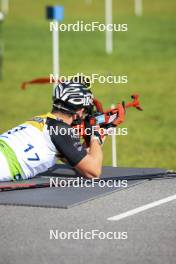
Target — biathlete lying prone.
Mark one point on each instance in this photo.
(33, 147)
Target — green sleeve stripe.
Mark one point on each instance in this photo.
(14, 166)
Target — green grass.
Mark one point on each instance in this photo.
(146, 53)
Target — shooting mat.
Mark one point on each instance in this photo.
(66, 197)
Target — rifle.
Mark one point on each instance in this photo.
(97, 117)
(105, 119)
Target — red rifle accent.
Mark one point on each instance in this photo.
(42, 80)
(135, 102)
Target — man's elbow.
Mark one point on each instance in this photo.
(89, 167)
(93, 174)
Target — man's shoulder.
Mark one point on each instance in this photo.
(41, 117)
(39, 121)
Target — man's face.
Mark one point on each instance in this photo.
(78, 117)
(80, 113)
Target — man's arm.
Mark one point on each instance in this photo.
(91, 165)
(88, 164)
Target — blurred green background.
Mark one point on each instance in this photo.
(146, 53)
